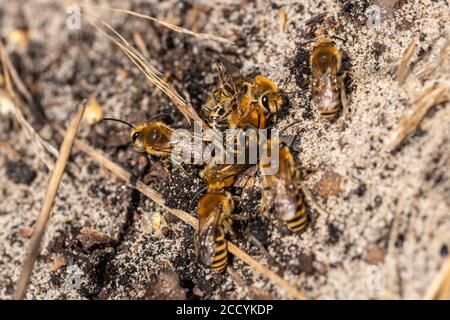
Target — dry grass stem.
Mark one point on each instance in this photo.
(7, 65)
(149, 71)
(430, 97)
(41, 148)
(202, 36)
(44, 214)
(403, 69)
(440, 287)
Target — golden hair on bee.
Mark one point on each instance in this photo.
(267, 94)
(327, 84)
(153, 137)
(221, 176)
(281, 191)
(240, 102)
(250, 115)
(226, 97)
(214, 211)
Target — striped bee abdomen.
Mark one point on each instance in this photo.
(219, 261)
(328, 103)
(300, 220)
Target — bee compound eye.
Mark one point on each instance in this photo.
(135, 136)
(265, 101)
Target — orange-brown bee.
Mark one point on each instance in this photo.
(327, 85)
(254, 108)
(154, 138)
(267, 94)
(241, 102)
(158, 139)
(221, 176)
(249, 115)
(281, 191)
(214, 211)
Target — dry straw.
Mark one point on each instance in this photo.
(429, 97)
(440, 286)
(41, 148)
(403, 69)
(44, 215)
(202, 36)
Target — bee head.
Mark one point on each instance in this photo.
(269, 96)
(136, 138)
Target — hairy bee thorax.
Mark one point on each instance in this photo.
(215, 202)
(220, 176)
(242, 103)
(326, 53)
(154, 138)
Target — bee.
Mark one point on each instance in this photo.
(267, 95)
(224, 98)
(221, 176)
(282, 192)
(250, 115)
(159, 139)
(241, 102)
(327, 85)
(257, 105)
(214, 211)
(154, 138)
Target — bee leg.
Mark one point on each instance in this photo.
(227, 224)
(197, 245)
(305, 83)
(165, 164)
(349, 74)
(236, 198)
(239, 217)
(184, 171)
(306, 171)
(179, 166)
(310, 198)
(344, 100)
(265, 205)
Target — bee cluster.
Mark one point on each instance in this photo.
(242, 103)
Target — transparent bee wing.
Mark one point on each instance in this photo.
(208, 233)
(229, 72)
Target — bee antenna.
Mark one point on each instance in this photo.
(285, 82)
(118, 120)
(307, 42)
(338, 38)
(289, 125)
(292, 92)
(156, 116)
(199, 192)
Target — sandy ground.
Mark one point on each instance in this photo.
(387, 232)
